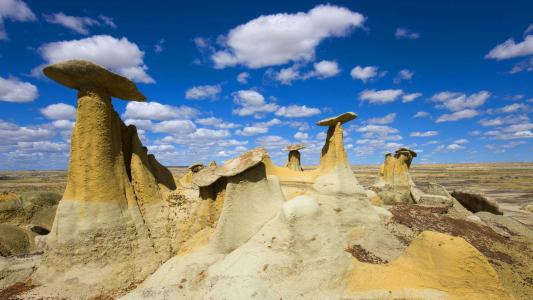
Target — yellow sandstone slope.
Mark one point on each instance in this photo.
(434, 266)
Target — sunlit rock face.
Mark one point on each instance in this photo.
(394, 182)
(434, 266)
(335, 174)
(111, 227)
(266, 246)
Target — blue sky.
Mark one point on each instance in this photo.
(450, 79)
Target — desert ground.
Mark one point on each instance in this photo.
(510, 184)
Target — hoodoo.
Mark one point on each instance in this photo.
(206, 180)
(266, 247)
(335, 173)
(196, 167)
(394, 181)
(186, 180)
(110, 227)
(251, 199)
(293, 161)
(212, 188)
(395, 170)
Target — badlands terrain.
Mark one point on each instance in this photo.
(509, 184)
(118, 224)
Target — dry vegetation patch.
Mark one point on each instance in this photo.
(15, 290)
(420, 218)
(363, 255)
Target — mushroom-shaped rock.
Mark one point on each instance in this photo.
(85, 75)
(112, 203)
(211, 189)
(395, 169)
(251, 199)
(335, 173)
(205, 177)
(294, 147)
(196, 167)
(394, 179)
(407, 153)
(187, 180)
(242, 163)
(343, 118)
(293, 161)
(210, 185)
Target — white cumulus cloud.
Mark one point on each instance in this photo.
(217, 122)
(410, 97)
(380, 97)
(325, 69)
(454, 147)
(297, 111)
(458, 115)
(287, 75)
(424, 133)
(203, 92)
(389, 118)
(511, 49)
(209, 134)
(63, 124)
(403, 75)
(59, 111)
(509, 119)
(379, 130)
(158, 111)
(252, 130)
(459, 101)
(364, 73)
(14, 90)
(270, 123)
(175, 127)
(461, 141)
(119, 55)
(321, 70)
(78, 24)
(281, 38)
(422, 114)
(14, 10)
(11, 134)
(404, 33)
(251, 102)
(301, 136)
(272, 141)
(243, 77)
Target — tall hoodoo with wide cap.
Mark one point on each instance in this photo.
(336, 175)
(86, 76)
(97, 133)
(110, 218)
